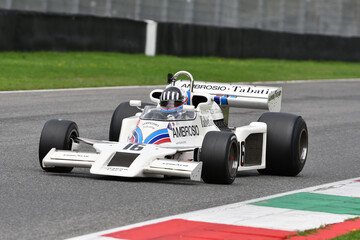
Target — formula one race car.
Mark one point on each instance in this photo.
(185, 133)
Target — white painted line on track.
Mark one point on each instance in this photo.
(162, 86)
(268, 216)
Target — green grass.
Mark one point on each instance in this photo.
(311, 231)
(354, 234)
(349, 236)
(43, 70)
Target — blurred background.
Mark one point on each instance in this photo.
(285, 29)
(328, 17)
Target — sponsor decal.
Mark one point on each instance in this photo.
(205, 122)
(221, 100)
(214, 111)
(236, 89)
(275, 95)
(137, 136)
(116, 169)
(76, 155)
(186, 131)
(250, 89)
(151, 125)
(206, 87)
(157, 137)
(175, 164)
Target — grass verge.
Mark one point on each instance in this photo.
(51, 70)
(354, 234)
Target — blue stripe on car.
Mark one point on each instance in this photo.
(155, 134)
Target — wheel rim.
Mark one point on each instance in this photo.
(73, 136)
(232, 160)
(303, 146)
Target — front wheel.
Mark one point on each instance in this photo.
(220, 157)
(287, 144)
(58, 134)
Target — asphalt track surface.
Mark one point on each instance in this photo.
(39, 205)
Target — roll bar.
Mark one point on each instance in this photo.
(179, 73)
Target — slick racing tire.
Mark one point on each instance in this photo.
(287, 144)
(58, 134)
(220, 157)
(124, 110)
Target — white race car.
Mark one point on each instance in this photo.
(185, 133)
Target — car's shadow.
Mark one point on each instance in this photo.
(164, 180)
(81, 173)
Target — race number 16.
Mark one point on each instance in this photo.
(133, 147)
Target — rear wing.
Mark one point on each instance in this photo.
(240, 96)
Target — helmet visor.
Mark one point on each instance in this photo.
(170, 104)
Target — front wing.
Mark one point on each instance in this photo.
(126, 160)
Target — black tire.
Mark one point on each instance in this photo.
(124, 110)
(57, 134)
(220, 157)
(287, 144)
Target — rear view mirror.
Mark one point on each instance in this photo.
(135, 103)
(189, 108)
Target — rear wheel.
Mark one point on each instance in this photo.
(220, 157)
(287, 144)
(124, 110)
(58, 134)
